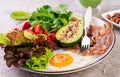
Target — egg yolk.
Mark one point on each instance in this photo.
(61, 60)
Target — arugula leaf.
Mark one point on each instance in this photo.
(50, 18)
(46, 25)
(3, 39)
(20, 15)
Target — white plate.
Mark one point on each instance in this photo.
(95, 21)
(110, 13)
(8, 24)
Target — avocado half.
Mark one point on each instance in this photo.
(70, 34)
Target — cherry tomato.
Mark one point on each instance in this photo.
(45, 32)
(48, 35)
(16, 29)
(26, 25)
(53, 36)
(49, 38)
(38, 29)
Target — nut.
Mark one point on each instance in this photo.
(115, 17)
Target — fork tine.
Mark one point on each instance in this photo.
(88, 46)
(82, 48)
(85, 47)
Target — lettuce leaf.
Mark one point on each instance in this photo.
(39, 62)
(20, 15)
(16, 38)
(3, 39)
(30, 35)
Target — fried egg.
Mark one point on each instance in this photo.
(67, 60)
(61, 60)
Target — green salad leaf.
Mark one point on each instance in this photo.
(49, 52)
(20, 15)
(62, 8)
(3, 39)
(39, 62)
(16, 38)
(50, 18)
(30, 35)
(44, 36)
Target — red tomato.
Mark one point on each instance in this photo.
(38, 29)
(45, 32)
(51, 37)
(26, 25)
(16, 29)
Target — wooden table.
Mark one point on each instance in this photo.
(109, 67)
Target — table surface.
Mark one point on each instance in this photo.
(109, 67)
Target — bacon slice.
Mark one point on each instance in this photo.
(100, 39)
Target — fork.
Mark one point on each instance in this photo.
(85, 45)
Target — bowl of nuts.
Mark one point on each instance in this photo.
(113, 17)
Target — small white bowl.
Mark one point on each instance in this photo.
(104, 15)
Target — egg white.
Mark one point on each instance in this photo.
(78, 61)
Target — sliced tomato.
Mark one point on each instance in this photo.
(38, 29)
(26, 25)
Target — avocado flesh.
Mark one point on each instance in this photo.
(70, 34)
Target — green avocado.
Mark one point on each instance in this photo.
(70, 34)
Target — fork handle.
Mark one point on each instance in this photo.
(88, 16)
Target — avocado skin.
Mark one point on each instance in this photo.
(70, 44)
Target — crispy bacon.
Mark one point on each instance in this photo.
(100, 39)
